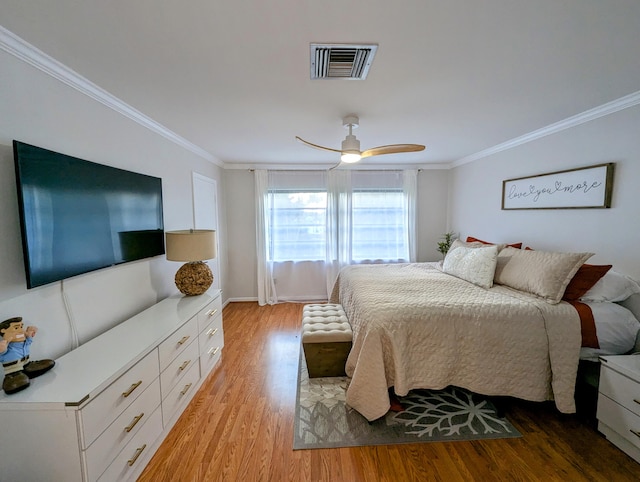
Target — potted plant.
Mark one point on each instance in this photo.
(445, 244)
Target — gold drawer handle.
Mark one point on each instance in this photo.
(212, 351)
(212, 312)
(139, 450)
(637, 401)
(131, 389)
(184, 339)
(184, 365)
(186, 389)
(212, 332)
(134, 423)
(635, 432)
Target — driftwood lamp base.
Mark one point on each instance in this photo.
(194, 278)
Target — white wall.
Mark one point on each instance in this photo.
(431, 223)
(240, 194)
(40, 110)
(612, 234)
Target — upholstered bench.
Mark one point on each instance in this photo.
(326, 339)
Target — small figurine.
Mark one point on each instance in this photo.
(14, 355)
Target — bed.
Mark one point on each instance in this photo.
(417, 325)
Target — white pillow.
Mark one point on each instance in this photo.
(476, 265)
(613, 286)
(616, 329)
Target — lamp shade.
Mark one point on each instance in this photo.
(191, 245)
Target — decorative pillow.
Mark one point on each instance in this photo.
(457, 243)
(471, 239)
(586, 276)
(613, 286)
(476, 265)
(542, 273)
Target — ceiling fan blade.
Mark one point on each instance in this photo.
(392, 149)
(317, 146)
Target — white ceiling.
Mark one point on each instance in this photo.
(232, 76)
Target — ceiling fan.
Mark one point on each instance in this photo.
(351, 152)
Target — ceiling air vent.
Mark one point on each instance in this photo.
(337, 61)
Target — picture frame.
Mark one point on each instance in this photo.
(580, 188)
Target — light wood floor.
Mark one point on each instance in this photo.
(239, 427)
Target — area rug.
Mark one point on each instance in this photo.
(323, 420)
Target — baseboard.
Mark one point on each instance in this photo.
(241, 299)
(303, 299)
(293, 299)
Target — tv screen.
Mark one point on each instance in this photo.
(78, 216)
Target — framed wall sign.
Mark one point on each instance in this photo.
(585, 187)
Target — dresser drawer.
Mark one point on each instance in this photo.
(109, 444)
(620, 388)
(173, 346)
(109, 404)
(212, 334)
(180, 394)
(618, 418)
(179, 367)
(133, 458)
(209, 360)
(208, 313)
(211, 343)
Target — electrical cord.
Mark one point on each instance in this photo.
(75, 342)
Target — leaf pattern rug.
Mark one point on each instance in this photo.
(323, 420)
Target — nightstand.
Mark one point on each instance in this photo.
(619, 402)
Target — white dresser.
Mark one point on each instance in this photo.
(106, 406)
(619, 402)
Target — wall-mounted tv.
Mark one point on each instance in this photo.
(77, 216)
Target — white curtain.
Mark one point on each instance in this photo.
(410, 188)
(301, 276)
(266, 284)
(341, 226)
(338, 224)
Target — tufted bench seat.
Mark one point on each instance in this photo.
(326, 339)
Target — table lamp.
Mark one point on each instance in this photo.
(193, 246)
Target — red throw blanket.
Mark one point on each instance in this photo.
(587, 324)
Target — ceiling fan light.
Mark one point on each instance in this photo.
(350, 149)
(350, 157)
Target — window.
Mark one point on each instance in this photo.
(379, 216)
(298, 221)
(378, 226)
(370, 222)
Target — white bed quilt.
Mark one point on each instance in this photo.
(417, 327)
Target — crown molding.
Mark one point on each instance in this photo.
(617, 105)
(239, 166)
(22, 50)
(323, 167)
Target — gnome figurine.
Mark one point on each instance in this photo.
(15, 343)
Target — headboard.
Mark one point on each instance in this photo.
(633, 304)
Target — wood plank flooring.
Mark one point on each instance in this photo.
(239, 427)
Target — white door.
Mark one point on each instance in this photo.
(205, 215)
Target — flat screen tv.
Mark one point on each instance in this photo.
(77, 216)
